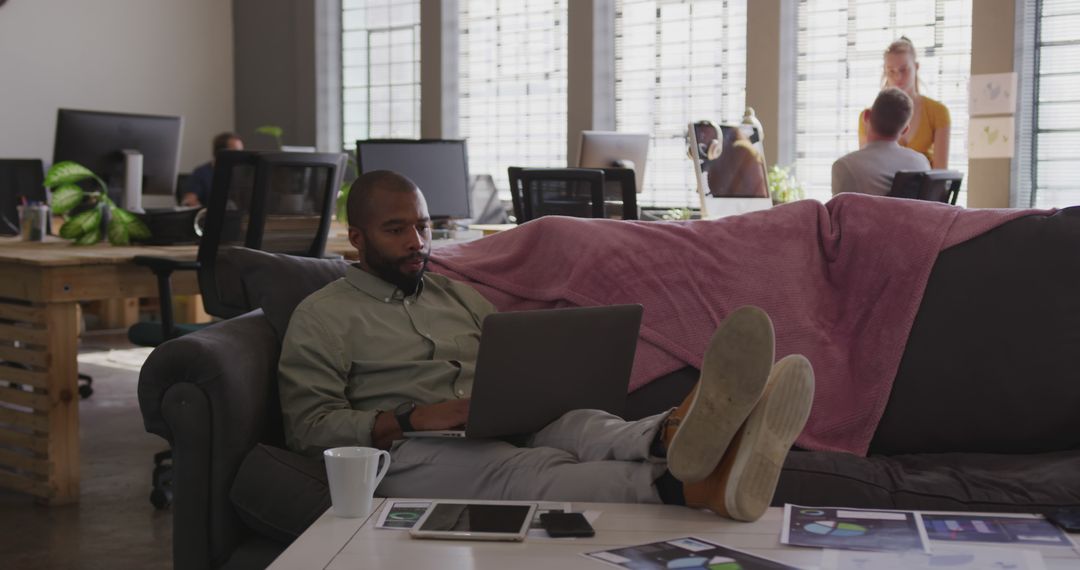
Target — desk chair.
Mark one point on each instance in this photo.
(932, 185)
(514, 173)
(19, 179)
(571, 192)
(576, 192)
(624, 180)
(281, 202)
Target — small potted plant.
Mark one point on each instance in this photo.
(783, 187)
(85, 227)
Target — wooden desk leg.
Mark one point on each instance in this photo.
(39, 414)
(62, 327)
(119, 313)
(189, 309)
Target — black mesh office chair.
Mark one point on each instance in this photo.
(25, 179)
(516, 193)
(620, 192)
(577, 192)
(19, 178)
(932, 185)
(234, 184)
(280, 202)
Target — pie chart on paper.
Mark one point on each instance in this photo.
(699, 563)
(835, 528)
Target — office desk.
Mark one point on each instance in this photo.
(40, 285)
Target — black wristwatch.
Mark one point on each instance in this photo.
(402, 413)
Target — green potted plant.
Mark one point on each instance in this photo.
(783, 187)
(85, 227)
(343, 193)
(273, 131)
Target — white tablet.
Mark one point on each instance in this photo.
(475, 520)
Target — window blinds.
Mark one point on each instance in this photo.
(677, 61)
(1057, 135)
(380, 69)
(513, 85)
(840, 47)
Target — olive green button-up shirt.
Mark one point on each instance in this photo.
(358, 346)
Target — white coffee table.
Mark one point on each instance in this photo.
(336, 543)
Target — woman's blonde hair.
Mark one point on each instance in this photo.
(901, 46)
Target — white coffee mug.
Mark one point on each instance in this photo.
(354, 474)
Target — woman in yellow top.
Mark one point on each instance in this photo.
(930, 122)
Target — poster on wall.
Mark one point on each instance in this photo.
(990, 137)
(992, 94)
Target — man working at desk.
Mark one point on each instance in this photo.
(390, 348)
(870, 170)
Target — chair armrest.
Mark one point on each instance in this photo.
(164, 265)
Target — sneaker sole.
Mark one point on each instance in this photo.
(733, 377)
(767, 437)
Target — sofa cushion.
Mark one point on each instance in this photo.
(279, 493)
(1037, 483)
(990, 364)
(274, 282)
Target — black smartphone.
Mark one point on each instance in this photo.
(559, 525)
(1067, 519)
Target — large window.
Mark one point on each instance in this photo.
(677, 61)
(1057, 134)
(839, 63)
(380, 69)
(513, 84)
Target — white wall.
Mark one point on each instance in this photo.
(142, 56)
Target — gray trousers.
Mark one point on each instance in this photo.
(586, 455)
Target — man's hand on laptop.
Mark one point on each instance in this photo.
(451, 414)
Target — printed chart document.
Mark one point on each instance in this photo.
(1000, 529)
(401, 514)
(853, 529)
(687, 552)
(951, 556)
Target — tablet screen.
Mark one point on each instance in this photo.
(453, 517)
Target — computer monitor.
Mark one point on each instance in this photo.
(607, 149)
(439, 167)
(19, 179)
(97, 140)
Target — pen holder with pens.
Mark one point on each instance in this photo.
(33, 221)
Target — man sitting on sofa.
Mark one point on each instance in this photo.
(870, 170)
(390, 348)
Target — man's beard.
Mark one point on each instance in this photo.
(388, 271)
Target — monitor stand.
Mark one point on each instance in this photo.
(133, 171)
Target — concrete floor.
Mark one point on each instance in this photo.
(113, 525)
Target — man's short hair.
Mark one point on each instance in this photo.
(221, 141)
(358, 207)
(891, 112)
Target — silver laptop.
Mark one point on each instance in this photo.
(534, 366)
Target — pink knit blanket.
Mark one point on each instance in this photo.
(842, 283)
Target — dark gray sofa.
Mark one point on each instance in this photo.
(983, 414)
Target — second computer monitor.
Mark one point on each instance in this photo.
(97, 140)
(606, 149)
(438, 167)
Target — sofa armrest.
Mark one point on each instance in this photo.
(235, 360)
(213, 395)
